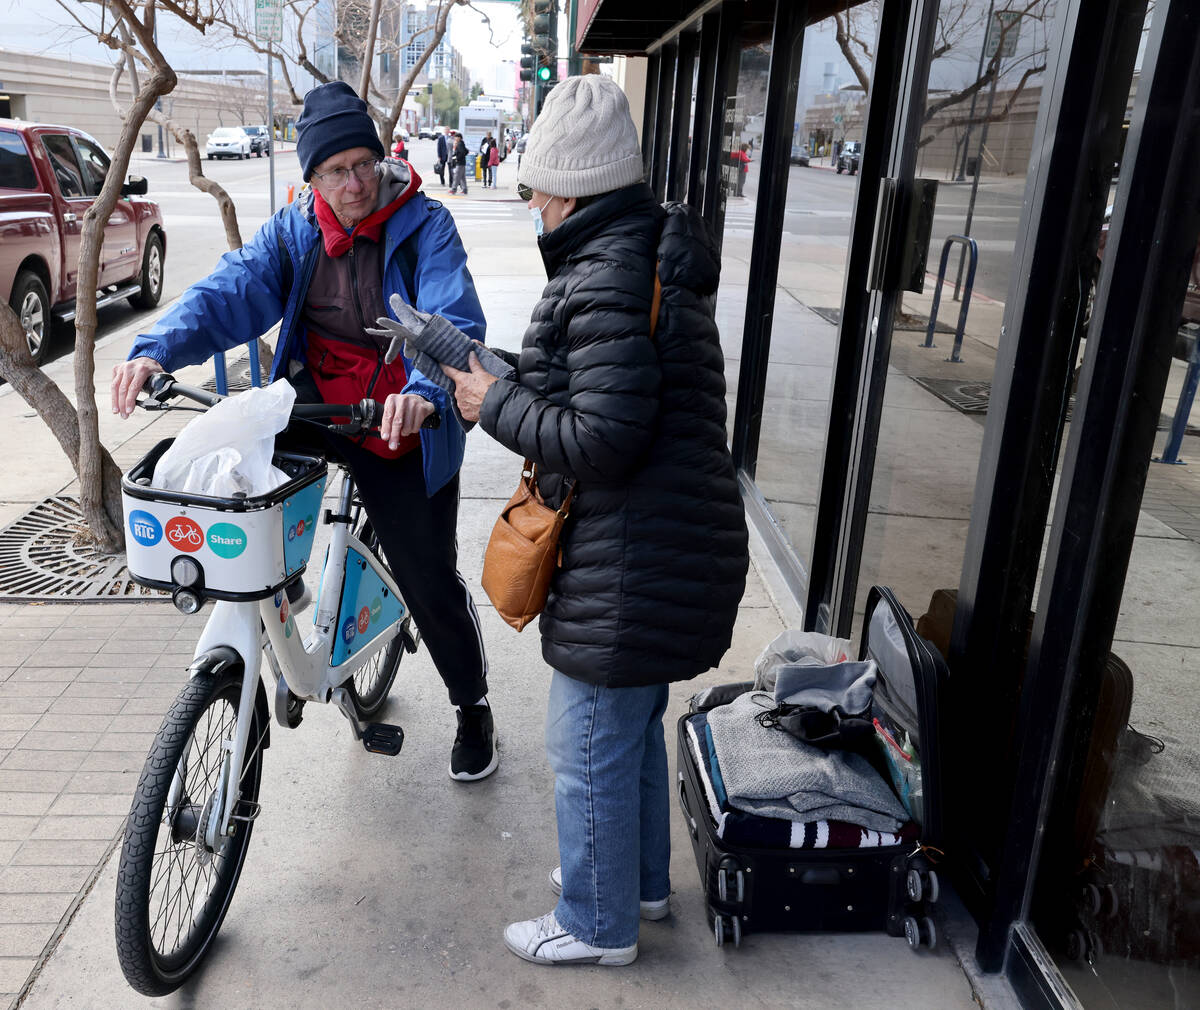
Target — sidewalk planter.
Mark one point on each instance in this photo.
(247, 548)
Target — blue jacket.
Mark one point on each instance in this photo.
(245, 296)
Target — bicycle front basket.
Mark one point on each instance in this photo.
(248, 548)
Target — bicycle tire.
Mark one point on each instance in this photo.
(153, 840)
(369, 687)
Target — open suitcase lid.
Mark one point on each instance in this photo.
(910, 685)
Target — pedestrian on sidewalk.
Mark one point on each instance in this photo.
(485, 155)
(458, 156)
(493, 163)
(654, 551)
(742, 156)
(443, 154)
(320, 266)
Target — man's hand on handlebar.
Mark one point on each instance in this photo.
(402, 415)
(128, 378)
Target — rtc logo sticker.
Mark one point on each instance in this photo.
(226, 540)
(364, 620)
(289, 628)
(184, 535)
(349, 630)
(292, 532)
(300, 528)
(145, 528)
(376, 609)
(283, 611)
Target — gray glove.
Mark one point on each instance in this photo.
(429, 341)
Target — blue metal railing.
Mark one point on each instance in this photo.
(972, 250)
(1183, 408)
(222, 379)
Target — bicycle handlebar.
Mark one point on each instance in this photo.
(364, 416)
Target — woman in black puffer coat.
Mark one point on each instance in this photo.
(654, 553)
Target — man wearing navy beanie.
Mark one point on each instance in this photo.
(325, 268)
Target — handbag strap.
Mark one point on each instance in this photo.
(655, 303)
(530, 469)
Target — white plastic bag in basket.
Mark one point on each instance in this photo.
(797, 648)
(228, 448)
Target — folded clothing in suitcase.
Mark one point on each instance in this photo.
(738, 828)
(764, 876)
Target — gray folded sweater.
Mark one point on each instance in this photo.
(772, 774)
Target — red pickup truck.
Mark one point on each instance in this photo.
(49, 177)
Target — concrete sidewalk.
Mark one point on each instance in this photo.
(370, 880)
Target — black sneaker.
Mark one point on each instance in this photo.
(474, 754)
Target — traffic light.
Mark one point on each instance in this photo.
(528, 62)
(545, 39)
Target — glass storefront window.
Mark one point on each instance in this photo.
(982, 98)
(822, 179)
(1117, 900)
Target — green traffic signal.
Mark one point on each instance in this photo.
(543, 73)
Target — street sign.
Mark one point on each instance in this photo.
(1005, 25)
(837, 118)
(268, 20)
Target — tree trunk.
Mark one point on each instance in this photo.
(387, 126)
(106, 526)
(53, 407)
(368, 57)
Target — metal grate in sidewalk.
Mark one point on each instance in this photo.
(47, 555)
(968, 397)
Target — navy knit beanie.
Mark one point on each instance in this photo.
(334, 119)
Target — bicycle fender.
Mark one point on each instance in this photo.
(224, 659)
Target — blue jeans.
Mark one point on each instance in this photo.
(612, 799)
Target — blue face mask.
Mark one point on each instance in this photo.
(539, 226)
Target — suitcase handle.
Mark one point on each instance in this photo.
(687, 812)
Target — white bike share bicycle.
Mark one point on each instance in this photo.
(197, 796)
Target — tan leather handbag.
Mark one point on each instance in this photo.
(523, 551)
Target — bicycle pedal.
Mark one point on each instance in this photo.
(383, 738)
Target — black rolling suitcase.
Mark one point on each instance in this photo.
(875, 887)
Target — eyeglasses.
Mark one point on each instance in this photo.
(336, 178)
(524, 192)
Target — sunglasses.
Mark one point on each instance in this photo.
(524, 192)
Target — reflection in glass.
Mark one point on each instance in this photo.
(981, 106)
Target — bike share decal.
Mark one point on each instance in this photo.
(283, 611)
(226, 540)
(299, 525)
(367, 608)
(183, 534)
(145, 528)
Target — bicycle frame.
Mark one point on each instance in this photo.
(312, 668)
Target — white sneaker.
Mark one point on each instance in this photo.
(651, 911)
(544, 941)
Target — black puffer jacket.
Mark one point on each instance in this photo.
(654, 554)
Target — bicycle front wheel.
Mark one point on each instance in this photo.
(369, 687)
(173, 888)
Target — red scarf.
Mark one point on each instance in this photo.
(339, 241)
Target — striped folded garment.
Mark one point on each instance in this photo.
(739, 829)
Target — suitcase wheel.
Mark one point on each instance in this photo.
(727, 928)
(920, 931)
(730, 880)
(922, 885)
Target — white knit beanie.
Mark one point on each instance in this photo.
(583, 142)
